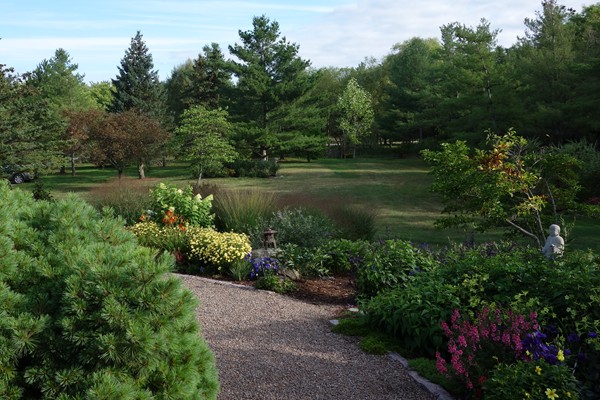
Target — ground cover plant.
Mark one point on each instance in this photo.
(88, 313)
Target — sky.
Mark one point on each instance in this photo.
(329, 33)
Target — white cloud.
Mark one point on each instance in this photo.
(338, 33)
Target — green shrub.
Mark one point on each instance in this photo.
(535, 380)
(342, 255)
(240, 269)
(414, 313)
(305, 260)
(243, 211)
(253, 168)
(389, 264)
(88, 313)
(172, 206)
(355, 223)
(307, 228)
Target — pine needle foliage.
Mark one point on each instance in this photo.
(85, 312)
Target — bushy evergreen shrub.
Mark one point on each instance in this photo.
(253, 168)
(88, 313)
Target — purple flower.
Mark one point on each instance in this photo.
(573, 337)
(593, 335)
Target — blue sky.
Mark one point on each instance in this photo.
(339, 33)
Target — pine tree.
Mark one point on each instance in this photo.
(270, 75)
(138, 88)
(89, 313)
(137, 85)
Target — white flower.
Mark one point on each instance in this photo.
(172, 209)
(180, 191)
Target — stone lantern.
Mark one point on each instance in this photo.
(270, 242)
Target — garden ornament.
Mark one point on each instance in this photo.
(269, 242)
(555, 244)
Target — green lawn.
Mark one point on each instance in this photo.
(396, 189)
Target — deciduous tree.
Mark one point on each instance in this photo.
(125, 138)
(356, 114)
(506, 186)
(202, 139)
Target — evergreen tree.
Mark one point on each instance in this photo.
(137, 85)
(138, 88)
(546, 70)
(29, 131)
(87, 313)
(407, 91)
(211, 79)
(270, 75)
(178, 87)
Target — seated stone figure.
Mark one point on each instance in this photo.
(555, 245)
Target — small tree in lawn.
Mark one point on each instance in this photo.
(127, 137)
(356, 115)
(506, 186)
(202, 139)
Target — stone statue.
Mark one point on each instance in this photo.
(555, 245)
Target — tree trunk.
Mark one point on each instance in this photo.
(72, 164)
(140, 168)
(199, 180)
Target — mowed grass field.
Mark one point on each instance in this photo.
(396, 190)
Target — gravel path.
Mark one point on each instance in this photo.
(270, 346)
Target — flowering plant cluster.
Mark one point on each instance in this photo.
(170, 205)
(217, 249)
(581, 356)
(475, 347)
(264, 266)
(531, 380)
(214, 249)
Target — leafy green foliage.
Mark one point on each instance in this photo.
(169, 205)
(88, 313)
(505, 186)
(356, 112)
(521, 380)
(202, 139)
(298, 226)
(243, 168)
(389, 264)
(413, 313)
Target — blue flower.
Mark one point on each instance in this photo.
(573, 337)
(593, 335)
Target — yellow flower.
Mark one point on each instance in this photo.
(551, 393)
(538, 370)
(569, 394)
(560, 356)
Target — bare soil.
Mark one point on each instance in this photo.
(338, 290)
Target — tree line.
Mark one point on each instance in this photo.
(269, 102)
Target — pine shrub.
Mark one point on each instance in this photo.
(88, 313)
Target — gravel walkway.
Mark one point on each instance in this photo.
(270, 346)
